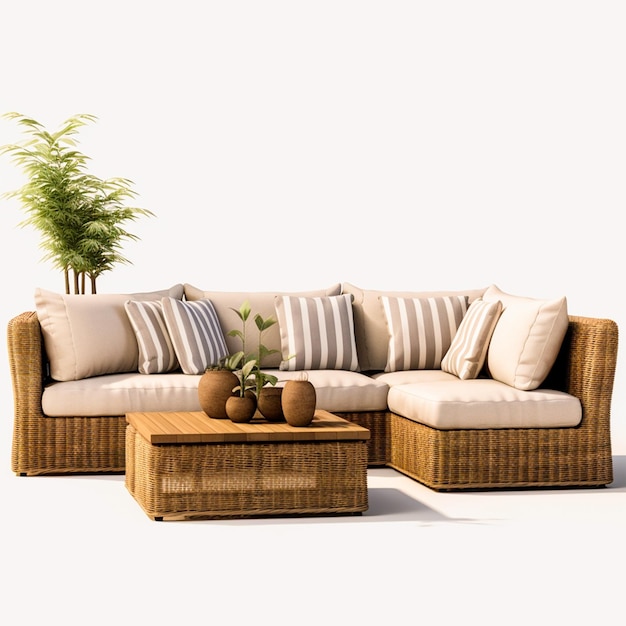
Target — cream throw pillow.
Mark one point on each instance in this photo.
(90, 335)
(527, 338)
(466, 355)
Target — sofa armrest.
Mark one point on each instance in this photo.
(586, 366)
(27, 362)
(28, 368)
(45, 445)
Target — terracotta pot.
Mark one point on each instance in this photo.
(298, 401)
(214, 388)
(269, 404)
(241, 409)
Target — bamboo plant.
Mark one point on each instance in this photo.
(80, 217)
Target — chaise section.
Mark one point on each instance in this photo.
(577, 456)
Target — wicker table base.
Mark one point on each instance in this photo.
(185, 465)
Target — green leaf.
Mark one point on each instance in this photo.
(263, 352)
(262, 324)
(243, 311)
(233, 361)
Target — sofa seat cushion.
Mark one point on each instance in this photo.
(342, 390)
(118, 394)
(413, 376)
(483, 403)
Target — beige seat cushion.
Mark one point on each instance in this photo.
(412, 376)
(90, 335)
(118, 394)
(261, 302)
(483, 403)
(370, 325)
(342, 390)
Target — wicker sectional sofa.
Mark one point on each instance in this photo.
(78, 365)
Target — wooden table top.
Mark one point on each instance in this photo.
(197, 427)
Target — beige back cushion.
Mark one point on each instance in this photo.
(261, 302)
(526, 339)
(370, 324)
(90, 335)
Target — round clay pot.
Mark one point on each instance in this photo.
(241, 409)
(269, 404)
(214, 388)
(298, 401)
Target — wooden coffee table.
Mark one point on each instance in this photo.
(186, 465)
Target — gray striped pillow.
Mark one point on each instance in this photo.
(468, 349)
(156, 352)
(317, 331)
(195, 332)
(421, 330)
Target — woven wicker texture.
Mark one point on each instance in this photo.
(379, 444)
(190, 481)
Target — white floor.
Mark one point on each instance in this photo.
(78, 550)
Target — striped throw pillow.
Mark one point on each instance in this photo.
(421, 330)
(156, 352)
(195, 332)
(468, 349)
(316, 332)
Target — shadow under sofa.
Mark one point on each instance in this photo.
(578, 456)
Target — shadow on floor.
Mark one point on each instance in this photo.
(619, 474)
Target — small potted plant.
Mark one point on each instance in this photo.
(242, 406)
(251, 379)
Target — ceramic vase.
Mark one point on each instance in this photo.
(214, 388)
(241, 409)
(298, 402)
(269, 404)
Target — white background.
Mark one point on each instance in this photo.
(293, 145)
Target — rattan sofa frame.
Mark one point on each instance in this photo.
(441, 459)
